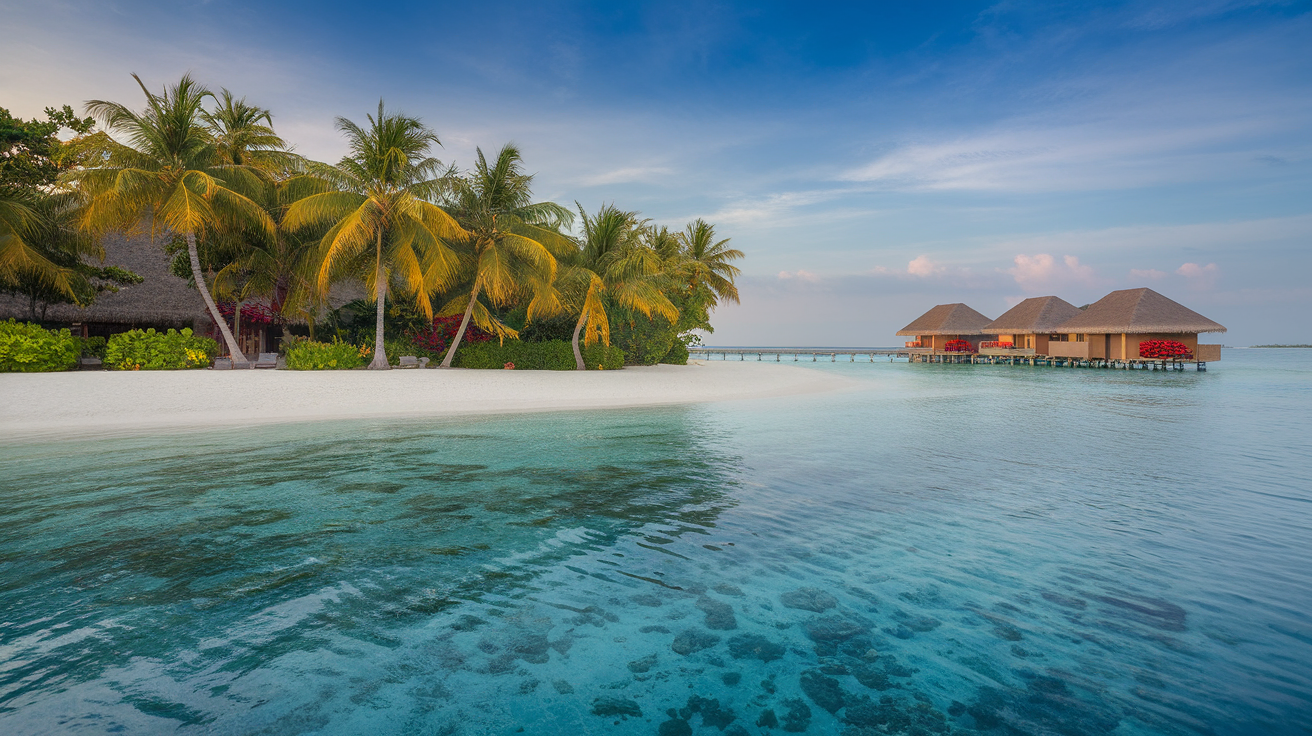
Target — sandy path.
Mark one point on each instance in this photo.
(44, 404)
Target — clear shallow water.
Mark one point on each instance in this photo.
(942, 549)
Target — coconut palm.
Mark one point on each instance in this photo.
(706, 261)
(613, 262)
(167, 174)
(381, 199)
(511, 246)
(261, 264)
(24, 224)
(244, 136)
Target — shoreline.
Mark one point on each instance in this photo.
(43, 406)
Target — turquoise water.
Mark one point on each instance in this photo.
(942, 549)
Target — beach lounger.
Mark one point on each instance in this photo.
(223, 364)
(267, 360)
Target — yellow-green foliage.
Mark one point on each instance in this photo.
(551, 355)
(28, 348)
(325, 356)
(148, 350)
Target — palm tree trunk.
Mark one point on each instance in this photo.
(379, 363)
(238, 359)
(236, 323)
(460, 333)
(578, 356)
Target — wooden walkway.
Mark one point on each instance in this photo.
(924, 356)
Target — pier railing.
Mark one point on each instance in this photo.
(992, 356)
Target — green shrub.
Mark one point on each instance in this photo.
(325, 356)
(678, 354)
(552, 355)
(91, 347)
(148, 350)
(405, 345)
(28, 348)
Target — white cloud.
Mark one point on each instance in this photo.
(799, 275)
(1200, 276)
(1042, 271)
(923, 267)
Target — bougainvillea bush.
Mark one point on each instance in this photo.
(148, 350)
(326, 356)
(434, 339)
(1164, 349)
(958, 346)
(29, 348)
(551, 355)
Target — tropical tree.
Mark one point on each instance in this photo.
(259, 263)
(167, 173)
(244, 136)
(613, 262)
(381, 198)
(23, 225)
(511, 245)
(706, 261)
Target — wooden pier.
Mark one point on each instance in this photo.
(921, 355)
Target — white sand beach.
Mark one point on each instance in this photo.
(81, 403)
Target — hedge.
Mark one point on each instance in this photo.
(324, 356)
(551, 355)
(148, 350)
(29, 348)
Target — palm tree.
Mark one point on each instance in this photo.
(613, 261)
(706, 261)
(512, 243)
(262, 264)
(244, 136)
(382, 199)
(23, 225)
(168, 173)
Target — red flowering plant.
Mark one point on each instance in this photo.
(436, 337)
(251, 313)
(958, 346)
(1164, 350)
(995, 344)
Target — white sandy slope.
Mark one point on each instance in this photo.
(77, 404)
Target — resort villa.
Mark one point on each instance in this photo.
(1124, 328)
(1030, 326)
(952, 328)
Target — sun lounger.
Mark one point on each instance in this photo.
(410, 361)
(267, 360)
(223, 364)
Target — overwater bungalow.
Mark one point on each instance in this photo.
(1028, 327)
(948, 328)
(1115, 327)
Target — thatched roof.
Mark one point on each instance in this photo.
(948, 319)
(1138, 311)
(1038, 315)
(161, 299)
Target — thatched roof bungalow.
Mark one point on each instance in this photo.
(1113, 327)
(945, 323)
(161, 300)
(1031, 324)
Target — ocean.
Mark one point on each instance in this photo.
(938, 549)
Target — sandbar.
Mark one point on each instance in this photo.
(72, 404)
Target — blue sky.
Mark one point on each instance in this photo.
(872, 160)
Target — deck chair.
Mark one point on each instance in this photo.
(267, 360)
